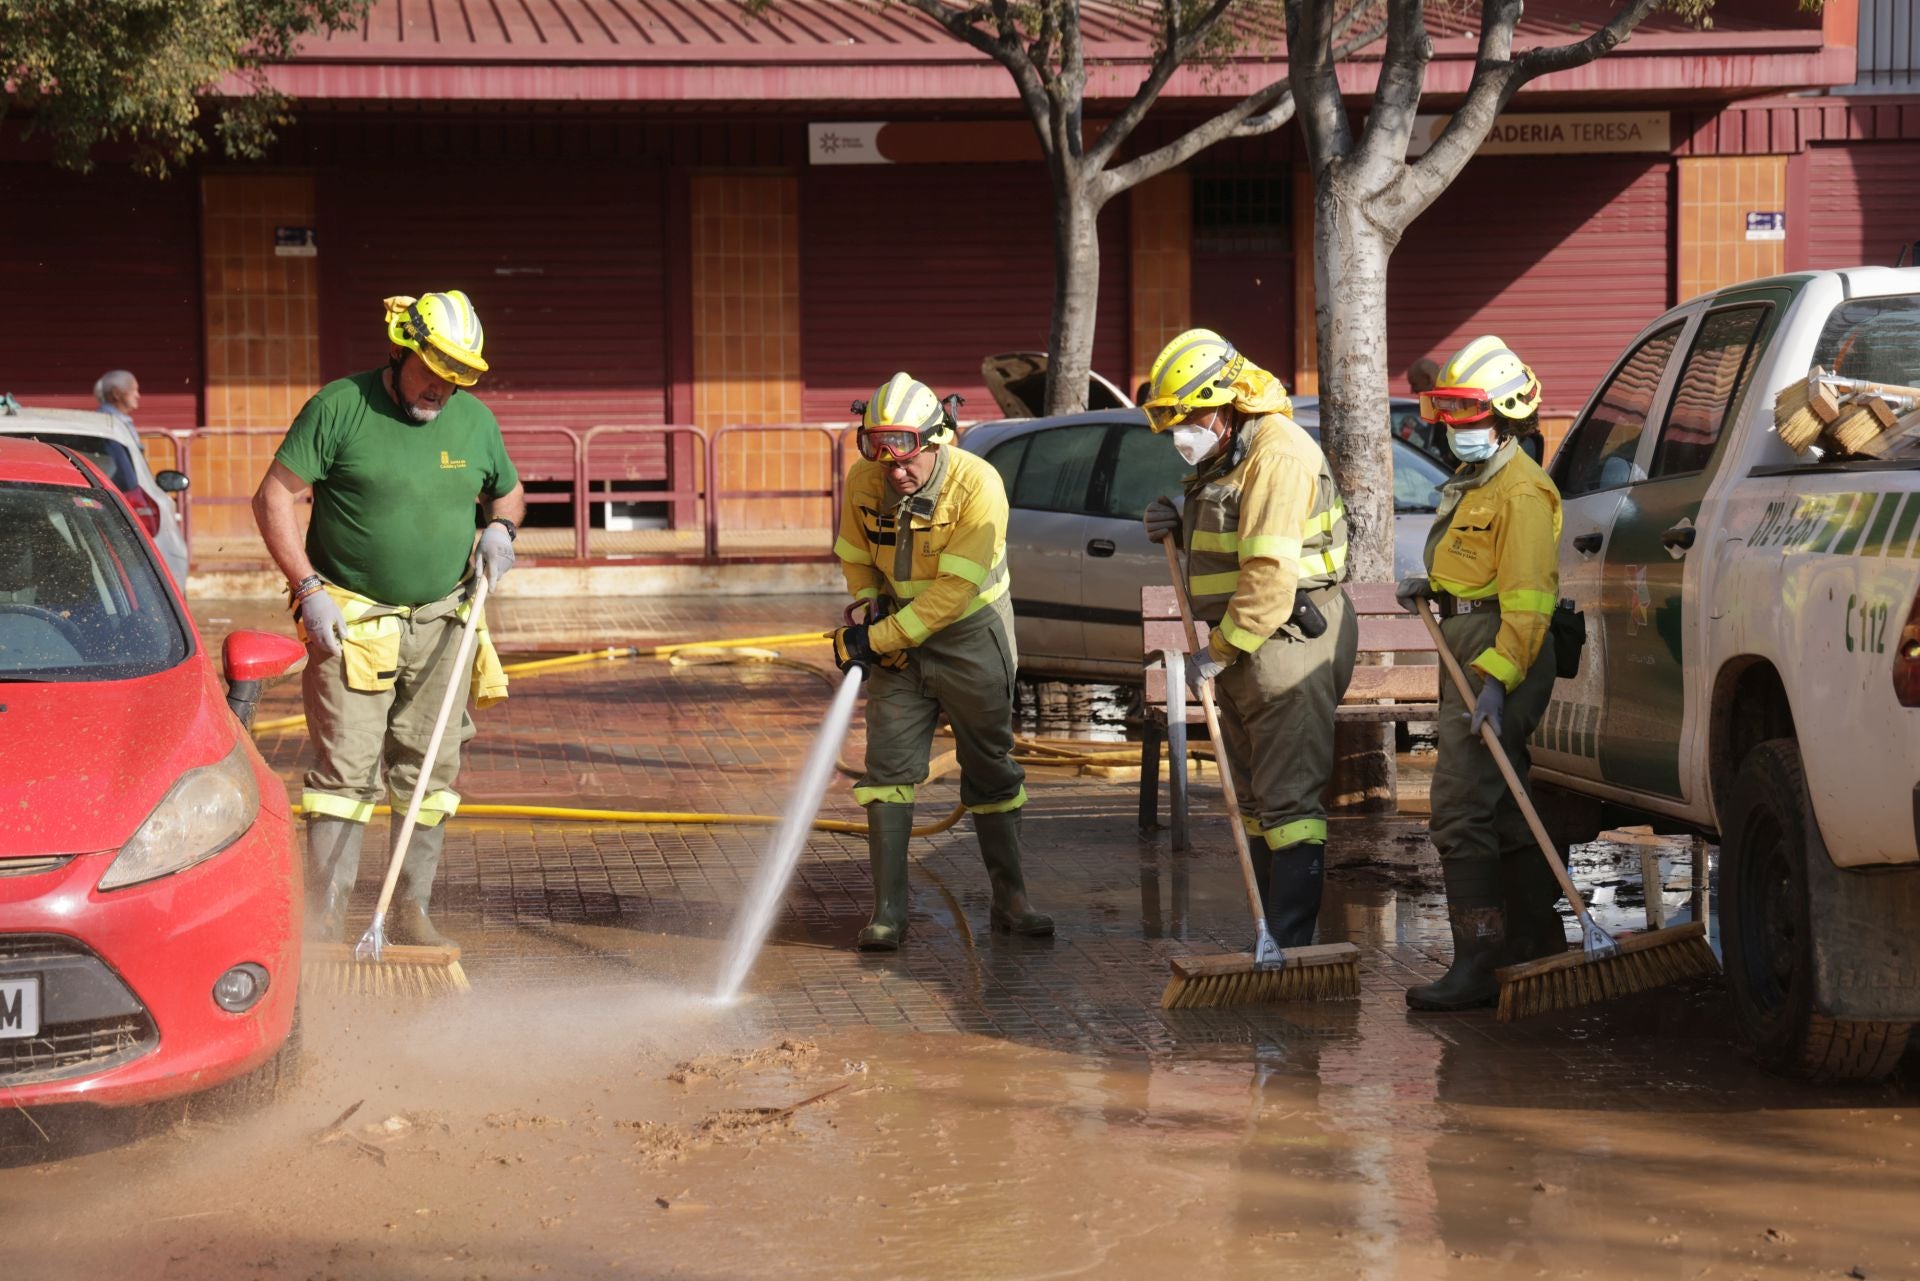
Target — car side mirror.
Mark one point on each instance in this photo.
(172, 482)
(251, 658)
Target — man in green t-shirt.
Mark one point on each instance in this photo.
(395, 459)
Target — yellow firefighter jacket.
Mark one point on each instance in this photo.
(1498, 534)
(938, 556)
(1263, 518)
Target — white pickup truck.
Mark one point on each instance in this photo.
(1752, 671)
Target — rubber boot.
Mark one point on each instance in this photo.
(333, 861)
(1262, 865)
(889, 828)
(1291, 895)
(407, 920)
(1534, 926)
(1479, 939)
(1000, 849)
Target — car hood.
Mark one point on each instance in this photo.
(82, 763)
(1017, 381)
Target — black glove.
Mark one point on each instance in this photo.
(850, 648)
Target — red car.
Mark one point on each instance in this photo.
(150, 887)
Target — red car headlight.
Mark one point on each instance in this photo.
(205, 811)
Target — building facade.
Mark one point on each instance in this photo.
(692, 216)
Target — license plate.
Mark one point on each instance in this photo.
(19, 1007)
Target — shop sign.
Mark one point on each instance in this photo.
(1559, 134)
(294, 242)
(1767, 226)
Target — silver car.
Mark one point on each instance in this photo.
(115, 449)
(1078, 486)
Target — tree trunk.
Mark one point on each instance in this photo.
(1076, 294)
(1350, 253)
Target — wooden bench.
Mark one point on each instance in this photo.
(1381, 690)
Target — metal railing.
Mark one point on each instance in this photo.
(677, 465)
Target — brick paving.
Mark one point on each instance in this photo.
(601, 903)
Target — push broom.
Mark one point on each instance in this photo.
(1603, 968)
(375, 967)
(1327, 971)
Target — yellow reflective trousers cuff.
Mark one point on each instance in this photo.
(1301, 831)
(900, 794)
(330, 806)
(1001, 807)
(848, 552)
(1490, 662)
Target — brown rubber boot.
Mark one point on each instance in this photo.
(407, 920)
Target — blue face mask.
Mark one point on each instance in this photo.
(1473, 445)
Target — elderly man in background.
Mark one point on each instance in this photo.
(119, 394)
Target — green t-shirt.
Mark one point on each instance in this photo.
(393, 499)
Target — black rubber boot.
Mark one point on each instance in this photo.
(889, 828)
(333, 861)
(1262, 865)
(1291, 894)
(1479, 939)
(999, 836)
(1534, 925)
(407, 920)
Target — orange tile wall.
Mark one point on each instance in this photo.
(1160, 226)
(262, 345)
(1716, 195)
(746, 348)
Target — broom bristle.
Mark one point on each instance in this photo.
(1327, 972)
(1794, 420)
(1646, 961)
(400, 971)
(1856, 429)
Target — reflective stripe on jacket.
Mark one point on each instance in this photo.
(1262, 520)
(1500, 538)
(939, 555)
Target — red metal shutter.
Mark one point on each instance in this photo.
(1565, 257)
(1861, 203)
(930, 269)
(564, 265)
(100, 272)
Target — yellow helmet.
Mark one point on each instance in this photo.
(1197, 370)
(1483, 376)
(445, 329)
(902, 418)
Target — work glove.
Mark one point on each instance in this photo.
(1413, 593)
(495, 554)
(1202, 667)
(1162, 518)
(850, 649)
(326, 626)
(1489, 707)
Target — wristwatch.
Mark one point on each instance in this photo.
(513, 530)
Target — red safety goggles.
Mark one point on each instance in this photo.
(1455, 406)
(892, 444)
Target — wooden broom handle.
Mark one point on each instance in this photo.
(1492, 741)
(453, 696)
(1219, 747)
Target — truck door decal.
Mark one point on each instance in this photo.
(1896, 519)
(1858, 521)
(1855, 524)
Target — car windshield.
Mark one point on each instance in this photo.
(1417, 479)
(79, 598)
(110, 456)
(1878, 340)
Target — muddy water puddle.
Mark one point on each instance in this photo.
(617, 1130)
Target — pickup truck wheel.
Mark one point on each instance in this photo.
(1767, 935)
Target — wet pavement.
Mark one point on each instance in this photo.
(972, 1107)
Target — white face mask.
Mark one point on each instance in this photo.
(1472, 445)
(1194, 443)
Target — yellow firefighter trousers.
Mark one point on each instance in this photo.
(1276, 713)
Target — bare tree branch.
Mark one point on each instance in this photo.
(1396, 95)
(1007, 50)
(1178, 45)
(1316, 83)
(1497, 76)
(1261, 111)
